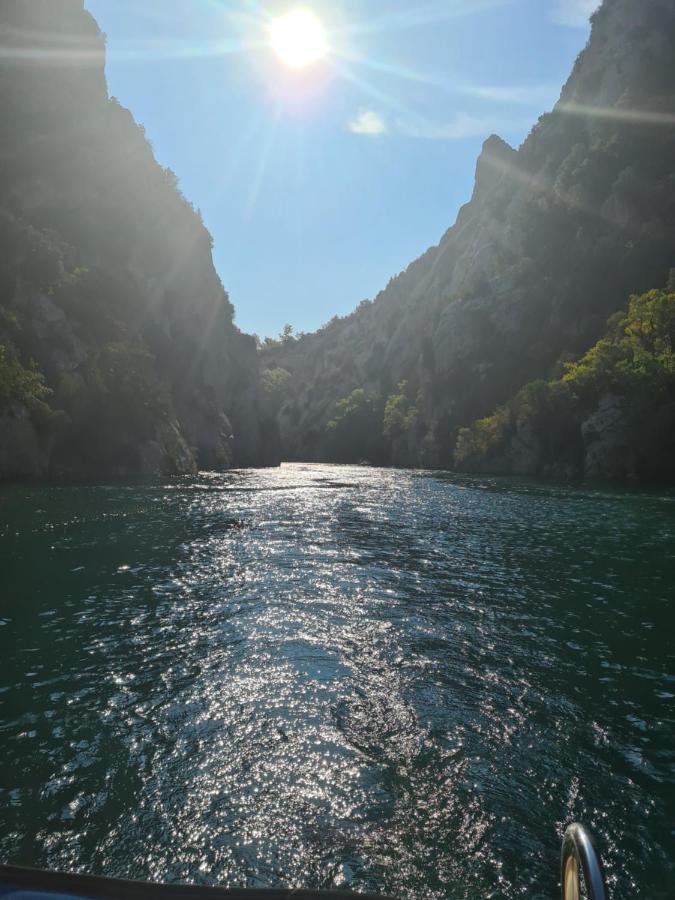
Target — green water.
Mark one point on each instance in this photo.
(331, 676)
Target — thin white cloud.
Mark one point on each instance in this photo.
(368, 122)
(574, 13)
(517, 95)
(461, 126)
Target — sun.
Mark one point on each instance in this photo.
(298, 38)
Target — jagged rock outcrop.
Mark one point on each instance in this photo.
(107, 282)
(556, 235)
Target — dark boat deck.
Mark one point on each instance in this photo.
(32, 884)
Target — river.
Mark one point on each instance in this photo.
(324, 676)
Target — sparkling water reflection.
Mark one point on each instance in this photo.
(332, 676)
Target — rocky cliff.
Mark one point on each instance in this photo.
(118, 352)
(555, 237)
(611, 416)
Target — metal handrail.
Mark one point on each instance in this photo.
(579, 854)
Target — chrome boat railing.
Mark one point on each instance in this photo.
(579, 860)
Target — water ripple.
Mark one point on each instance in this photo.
(332, 676)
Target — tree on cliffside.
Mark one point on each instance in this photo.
(612, 415)
(400, 414)
(353, 434)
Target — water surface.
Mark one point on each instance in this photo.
(330, 676)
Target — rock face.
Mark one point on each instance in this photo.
(555, 237)
(23, 451)
(106, 278)
(608, 451)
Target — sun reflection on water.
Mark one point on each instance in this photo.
(333, 677)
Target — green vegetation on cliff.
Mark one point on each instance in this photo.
(611, 416)
(18, 383)
(118, 352)
(352, 435)
(400, 415)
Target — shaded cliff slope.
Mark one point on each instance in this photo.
(610, 417)
(555, 238)
(118, 353)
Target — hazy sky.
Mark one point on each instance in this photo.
(320, 184)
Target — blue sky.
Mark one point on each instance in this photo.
(319, 185)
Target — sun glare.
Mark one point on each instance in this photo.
(298, 38)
